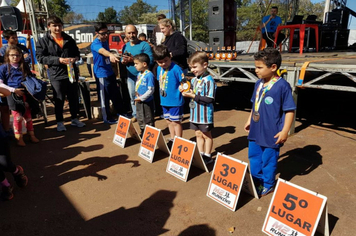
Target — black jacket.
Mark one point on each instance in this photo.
(177, 45)
(48, 53)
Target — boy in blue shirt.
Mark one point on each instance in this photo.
(144, 89)
(170, 76)
(202, 94)
(270, 119)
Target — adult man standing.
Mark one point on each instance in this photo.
(269, 26)
(104, 74)
(58, 50)
(132, 48)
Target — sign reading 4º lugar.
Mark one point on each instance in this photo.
(124, 127)
(226, 181)
(295, 211)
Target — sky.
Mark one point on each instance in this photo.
(90, 8)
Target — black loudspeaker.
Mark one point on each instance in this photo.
(338, 18)
(222, 15)
(334, 39)
(11, 18)
(222, 39)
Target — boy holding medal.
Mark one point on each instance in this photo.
(202, 96)
(169, 76)
(270, 119)
(144, 89)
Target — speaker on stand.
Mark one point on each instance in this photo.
(11, 18)
(222, 23)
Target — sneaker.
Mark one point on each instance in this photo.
(110, 122)
(170, 144)
(207, 160)
(77, 123)
(20, 177)
(259, 189)
(266, 191)
(61, 127)
(6, 193)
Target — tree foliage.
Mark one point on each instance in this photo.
(108, 16)
(58, 8)
(72, 18)
(151, 17)
(132, 14)
(200, 30)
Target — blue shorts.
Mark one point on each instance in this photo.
(173, 113)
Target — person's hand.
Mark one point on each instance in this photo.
(19, 92)
(127, 59)
(247, 125)
(189, 94)
(281, 137)
(137, 100)
(64, 60)
(113, 58)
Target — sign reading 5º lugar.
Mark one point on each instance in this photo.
(226, 181)
(294, 211)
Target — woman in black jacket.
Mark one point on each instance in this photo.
(176, 43)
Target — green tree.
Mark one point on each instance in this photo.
(108, 16)
(200, 31)
(151, 17)
(58, 8)
(132, 14)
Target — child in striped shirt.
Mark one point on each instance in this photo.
(202, 94)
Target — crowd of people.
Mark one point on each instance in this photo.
(159, 66)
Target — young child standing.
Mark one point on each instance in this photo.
(13, 73)
(202, 94)
(170, 76)
(6, 163)
(144, 90)
(270, 119)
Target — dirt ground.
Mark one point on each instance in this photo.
(80, 183)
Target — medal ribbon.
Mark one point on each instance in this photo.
(258, 99)
(163, 80)
(139, 81)
(197, 84)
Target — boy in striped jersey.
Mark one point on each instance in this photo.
(202, 94)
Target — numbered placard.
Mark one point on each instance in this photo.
(152, 137)
(124, 127)
(181, 157)
(294, 211)
(226, 181)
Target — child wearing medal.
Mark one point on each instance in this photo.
(270, 119)
(169, 76)
(202, 96)
(144, 90)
